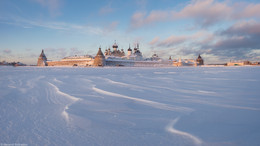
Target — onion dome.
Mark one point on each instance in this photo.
(115, 45)
(129, 49)
(135, 48)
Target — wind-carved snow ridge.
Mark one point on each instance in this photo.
(170, 128)
(125, 84)
(74, 99)
(64, 94)
(144, 101)
(56, 80)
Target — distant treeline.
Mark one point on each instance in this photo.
(4, 63)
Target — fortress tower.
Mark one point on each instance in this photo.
(99, 59)
(42, 60)
(200, 60)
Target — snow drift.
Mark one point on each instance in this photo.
(130, 106)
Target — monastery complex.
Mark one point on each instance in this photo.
(116, 57)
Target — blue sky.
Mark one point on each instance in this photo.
(218, 30)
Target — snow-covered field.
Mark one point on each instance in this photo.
(130, 106)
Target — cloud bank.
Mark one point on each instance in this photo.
(204, 12)
(237, 39)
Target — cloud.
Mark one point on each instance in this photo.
(52, 5)
(107, 9)
(199, 37)
(137, 20)
(206, 13)
(110, 27)
(28, 49)
(140, 19)
(154, 41)
(60, 26)
(172, 41)
(33, 55)
(75, 51)
(7, 51)
(243, 28)
(254, 55)
(56, 53)
(238, 41)
(251, 10)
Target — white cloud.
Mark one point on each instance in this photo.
(60, 26)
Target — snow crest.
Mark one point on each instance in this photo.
(144, 101)
(64, 113)
(170, 128)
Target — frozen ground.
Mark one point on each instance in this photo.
(130, 106)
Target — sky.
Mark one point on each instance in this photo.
(219, 30)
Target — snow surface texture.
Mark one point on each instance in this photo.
(130, 106)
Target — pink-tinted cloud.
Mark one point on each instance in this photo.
(199, 37)
(137, 20)
(7, 51)
(156, 16)
(203, 12)
(140, 19)
(243, 28)
(242, 35)
(252, 10)
(173, 40)
(237, 41)
(154, 41)
(206, 12)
